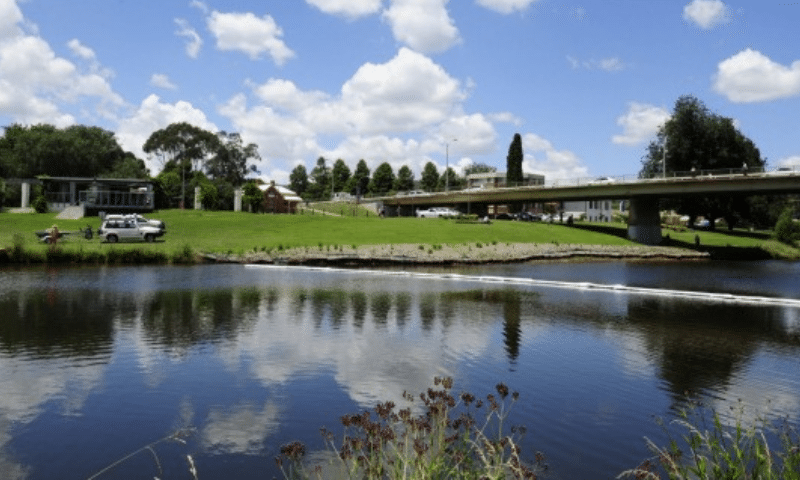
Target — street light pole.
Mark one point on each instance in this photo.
(664, 159)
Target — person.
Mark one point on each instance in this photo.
(744, 168)
(54, 234)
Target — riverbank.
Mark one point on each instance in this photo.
(455, 254)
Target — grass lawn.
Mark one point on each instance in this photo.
(237, 233)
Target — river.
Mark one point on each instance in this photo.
(96, 363)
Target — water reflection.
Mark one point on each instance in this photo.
(269, 358)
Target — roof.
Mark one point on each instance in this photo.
(287, 194)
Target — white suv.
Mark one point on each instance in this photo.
(115, 229)
(140, 220)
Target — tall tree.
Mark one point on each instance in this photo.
(697, 139)
(514, 162)
(232, 160)
(430, 177)
(341, 175)
(298, 180)
(404, 180)
(319, 187)
(183, 146)
(382, 179)
(359, 181)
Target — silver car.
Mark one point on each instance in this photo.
(437, 212)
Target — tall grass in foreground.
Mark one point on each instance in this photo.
(719, 452)
(446, 441)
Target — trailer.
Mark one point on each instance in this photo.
(46, 236)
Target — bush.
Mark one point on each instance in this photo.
(444, 441)
(786, 229)
(40, 204)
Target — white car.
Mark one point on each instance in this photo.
(114, 230)
(140, 220)
(437, 212)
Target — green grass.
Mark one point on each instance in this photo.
(239, 233)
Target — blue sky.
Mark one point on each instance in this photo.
(405, 81)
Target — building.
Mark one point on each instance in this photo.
(93, 195)
(498, 180)
(589, 210)
(279, 199)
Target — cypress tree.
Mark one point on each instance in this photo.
(514, 162)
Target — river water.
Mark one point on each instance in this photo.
(96, 363)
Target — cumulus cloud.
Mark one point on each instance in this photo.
(706, 14)
(750, 76)
(193, 41)
(35, 83)
(377, 113)
(154, 115)
(249, 34)
(793, 161)
(160, 80)
(505, 6)
(424, 25)
(347, 8)
(640, 123)
(543, 158)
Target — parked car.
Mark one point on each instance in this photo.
(115, 229)
(140, 220)
(437, 212)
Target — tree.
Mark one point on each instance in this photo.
(514, 162)
(382, 179)
(696, 139)
(430, 177)
(182, 142)
(75, 151)
(404, 180)
(252, 197)
(298, 180)
(359, 181)
(231, 159)
(341, 175)
(168, 189)
(786, 229)
(451, 178)
(478, 168)
(319, 187)
(128, 167)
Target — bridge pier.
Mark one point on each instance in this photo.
(644, 222)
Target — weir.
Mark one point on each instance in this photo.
(621, 289)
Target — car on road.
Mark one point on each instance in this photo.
(114, 230)
(438, 212)
(601, 181)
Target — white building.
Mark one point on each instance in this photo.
(589, 210)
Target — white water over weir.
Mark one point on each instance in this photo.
(621, 289)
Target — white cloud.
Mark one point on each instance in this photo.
(397, 111)
(249, 34)
(505, 6)
(792, 161)
(424, 25)
(611, 64)
(543, 158)
(750, 76)
(10, 18)
(81, 50)
(35, 84)
(153, 115)
(707, 14)
(640, 123)
(193, 41)
(347, 8)
(160, 80)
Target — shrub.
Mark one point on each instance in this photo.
(786, 229)
(445, 441)
(40, 204)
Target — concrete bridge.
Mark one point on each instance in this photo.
(644, 222)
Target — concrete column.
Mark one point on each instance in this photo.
(73, 193)
(26, 195)
(237, 199)
(198, 204)
(644, 221)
